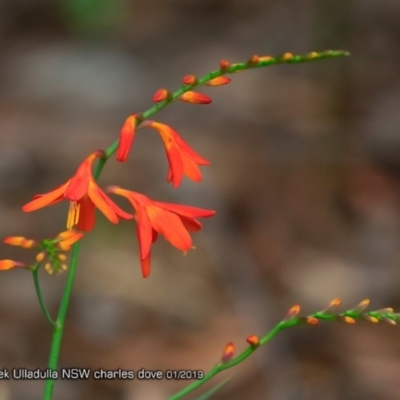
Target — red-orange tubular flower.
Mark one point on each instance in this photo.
(173, 221)
(195, 98)
(9, 264)
(84, 195)
(126, 137)
(182, 159)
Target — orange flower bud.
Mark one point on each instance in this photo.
(20, 241)
(254, 59)
(48, 267)
(195, 98)
(293, 312)
(228, 353)
(67, 238)
(189, 80)
(9, 264)
(221, 80)
(312, 321)
(41, 256)
(348, 320)
(28, 243)
(287, 56)
(370, 318)
(62, 257)
(253, 340)
(265, 58)
(160, 95)
(224, 65)
(126, 137)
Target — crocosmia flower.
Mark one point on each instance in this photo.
(173, 221)
(182, 159)
(84, 195)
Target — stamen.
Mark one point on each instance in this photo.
(77, 212)
(73, 214)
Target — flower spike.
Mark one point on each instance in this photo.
(173, 221)
(195, 98)
(126, 137)
(84, 195)
(182, 159)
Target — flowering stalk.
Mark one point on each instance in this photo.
(84, 195)
(292, 319)
(224, 70)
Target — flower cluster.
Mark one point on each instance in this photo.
(50, 251)
(172, 221)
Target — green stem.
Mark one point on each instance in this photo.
(223, 366)
(35, 273)
(59, 328)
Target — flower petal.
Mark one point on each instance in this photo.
(97, 196)
(145, 265)
(144, 233)
(190, 224)
(126, 137)
(46, 199)
(186, 211)
(87, 214)
(170, 226)
(79, 184)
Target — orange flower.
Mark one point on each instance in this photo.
(183, 160)
(9, 264)
(84, 195)
(173, 221)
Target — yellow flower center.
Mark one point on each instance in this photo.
(73, 214)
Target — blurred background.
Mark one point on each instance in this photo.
(304, 176)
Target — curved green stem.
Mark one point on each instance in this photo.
(223, 366)
(35, 274)
(350, 317)
(231, 69)
(59, 328)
